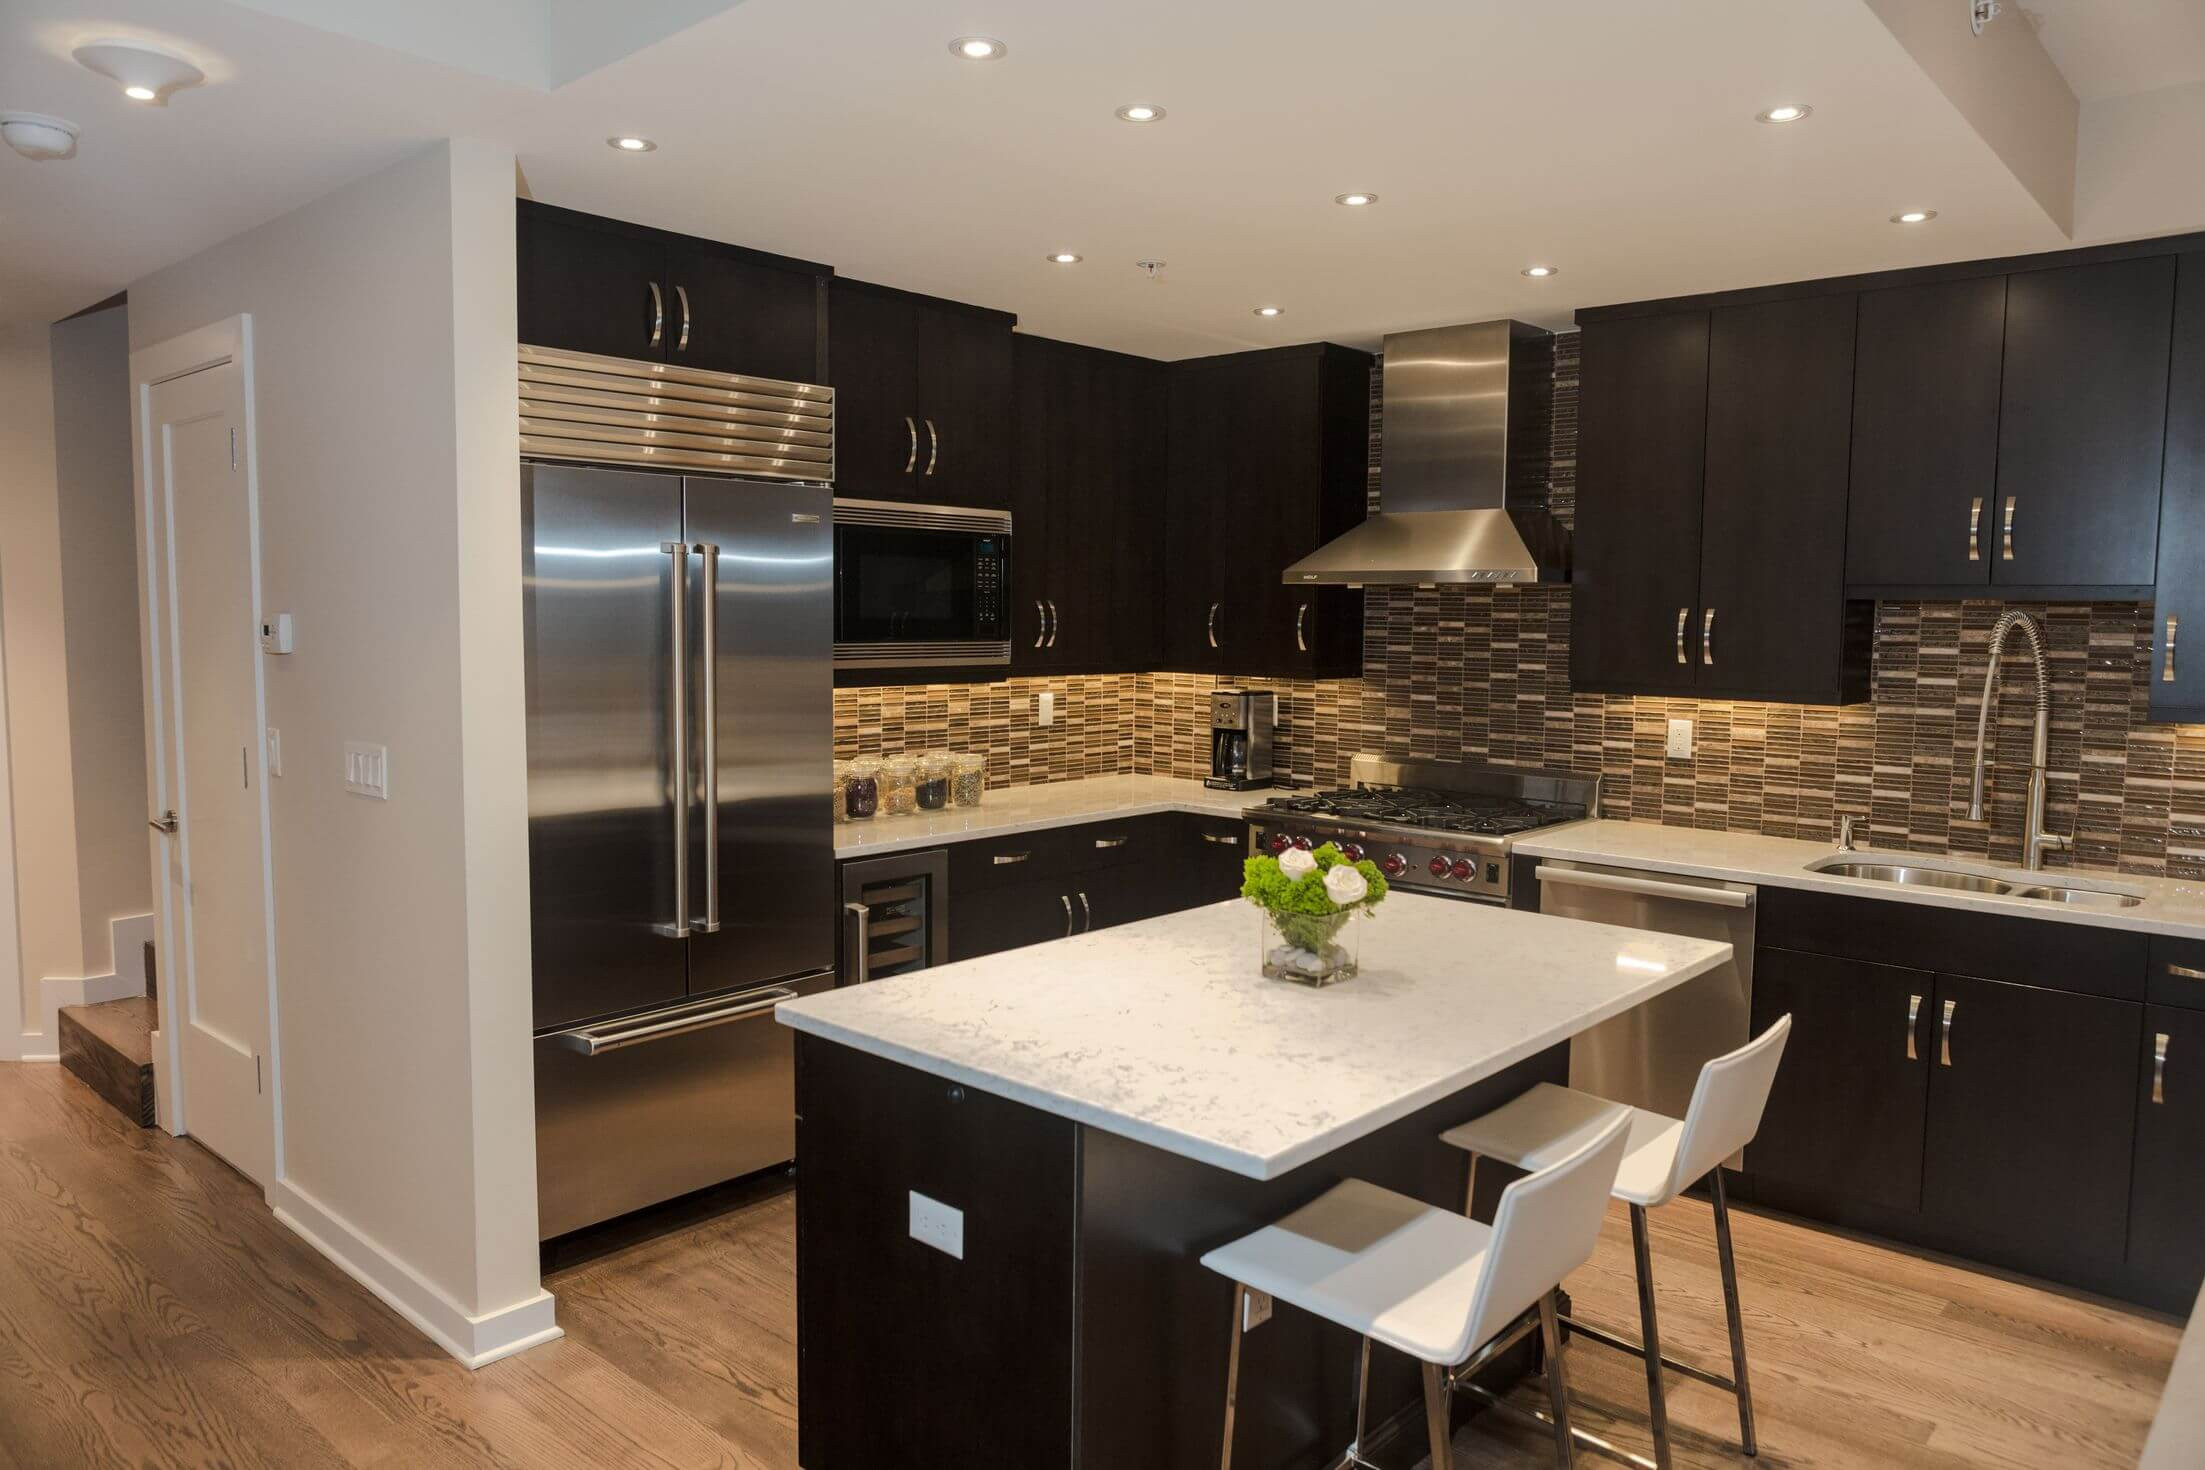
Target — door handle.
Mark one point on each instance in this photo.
(2006, 533)
(2180, 972)
(1301, 618)
(1707, 638)
(1041, 625)
(1089, 914)
(1055, 622)
(1944, 1035)
(165, 823)
(1213, 625)
(1005, 859)
(860, 918)
(1913, 1023)
(658, 314)
(1684, 615)
(658, 1026)
(2159, 1067)
(933, 446)
(678, 634)
(911, 461)
(711, 651)
(1067, 902)
(2166, 669)
(1221, 839)
(1975, 529)
(1106, 843)
(681, 343)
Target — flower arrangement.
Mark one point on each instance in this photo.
(1307, 898)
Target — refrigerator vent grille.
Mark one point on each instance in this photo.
(610, 410)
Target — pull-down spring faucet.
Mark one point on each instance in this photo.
(2035, 841)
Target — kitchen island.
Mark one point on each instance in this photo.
(1009, 1169)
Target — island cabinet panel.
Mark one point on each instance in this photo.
(2032, 1120)
(2082, 423)
(1848, 1109)
(2166, 1226)
(1926, 376)
(2178, 682)
(908, 1355)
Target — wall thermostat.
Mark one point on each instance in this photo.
(275, 634)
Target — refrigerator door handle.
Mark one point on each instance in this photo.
(678, 634)
(711, 733)
(592, 1041)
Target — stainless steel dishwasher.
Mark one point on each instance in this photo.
(1650, 1057)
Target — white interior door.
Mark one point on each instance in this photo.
(202, 576)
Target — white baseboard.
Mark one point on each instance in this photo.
(474, 1340)
(41, 1043)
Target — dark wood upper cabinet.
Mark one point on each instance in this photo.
(1773, 621)
(2082, 424)
(1926, 372)
(923, 397)
(1642, 460)
(590, 284)
(2178, 675)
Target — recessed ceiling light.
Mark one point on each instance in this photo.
(1270, 310)
(1140, 112)
(1783, 113)
(1064, 257)
(1355, 200)
(978, 48)
(147, 73)
(629, 143)
(1914, 217)
(1540, 272)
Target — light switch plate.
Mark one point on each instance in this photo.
(1680, 740)
(367, 769)
(1045, 707)
(938, 1225)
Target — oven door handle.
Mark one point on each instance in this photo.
(1728, 898)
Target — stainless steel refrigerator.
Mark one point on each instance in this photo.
(680, 728)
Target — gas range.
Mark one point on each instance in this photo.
(1431, 826)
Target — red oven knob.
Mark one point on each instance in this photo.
(1463, 870)
(1304, 843)
(1352, 851)
(1439, 867)
(1278, 842)
(1394, 865)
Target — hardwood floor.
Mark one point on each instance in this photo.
(153, 1312)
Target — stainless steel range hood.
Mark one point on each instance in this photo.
(1468, 416)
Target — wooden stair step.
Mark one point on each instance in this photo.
(109, 1047)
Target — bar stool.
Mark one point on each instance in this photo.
(1663, 1157)
(1429, 1282)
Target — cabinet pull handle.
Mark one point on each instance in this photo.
(1054, 622)
(2166, 669)
(681, 343)
(1213, 625)
(1005, 859)
(1301, 618)
(911, 462)
(1684, 616)
(658, 313)
(1041, 625)
(1913, 1022)
(1975, 529)
(1067, 902)
(2186, 972)
(2159, 1067)
(933, 446)
(1222, 839)
(1088, 914)
(861, 919)
(1707, 638)
(1944, 1035)
(1106, 843)
(2006, 532)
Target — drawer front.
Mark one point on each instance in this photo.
(1115, 844)
(1021, 857)
(2041, 952)
(2177, 976)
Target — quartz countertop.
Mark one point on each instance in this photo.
(1005, 810)
(2170, 906)
(1164, 1032)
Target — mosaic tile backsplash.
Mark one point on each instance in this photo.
(1482, 674)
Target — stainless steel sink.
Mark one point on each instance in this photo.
(2085, 898)
(1914, 874)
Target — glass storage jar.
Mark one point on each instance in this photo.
(933, 780)
(861, 789)
(840, 792)
(968, 780)
(899, 786)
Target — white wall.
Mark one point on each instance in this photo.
(2142, 166)
(383, 319)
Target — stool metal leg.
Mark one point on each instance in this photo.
(1744, 1389)
(1436, 1416)
(1650, 1332)
(1470, 1194)
(1362, 1402)
(1232, 1374)
(1558, 1383)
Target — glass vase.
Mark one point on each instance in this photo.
(1308, 949)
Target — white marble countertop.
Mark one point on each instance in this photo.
(1165, 1032)
(2170, 905)
(1011, 809)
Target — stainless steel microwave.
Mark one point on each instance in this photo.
(921, 586)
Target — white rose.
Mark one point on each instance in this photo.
(1346, 886)
(1297, 864)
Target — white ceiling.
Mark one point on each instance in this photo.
(1612, 138)
(2116, 48)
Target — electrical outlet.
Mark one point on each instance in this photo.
(1045, 707)
(1680, 740)
(367, 770)
(1255, 1310)
(938, 1225)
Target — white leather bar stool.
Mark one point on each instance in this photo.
(1662, 1159)
(1428, 1282)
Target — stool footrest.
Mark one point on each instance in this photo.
(1585, 1437)
(1638, 1350)
(1524, 1327)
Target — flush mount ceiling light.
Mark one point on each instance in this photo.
(147, 73)
(38, 137)
(1138, 112)
(630, 143)
(1355, 200)
(1270, 311)
(1063, 257)
(1783, 113)
(1540, 272)
(1914, 217)
(978, 48)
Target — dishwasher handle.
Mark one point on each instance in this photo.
(1726, 898)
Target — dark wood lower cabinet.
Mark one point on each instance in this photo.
(2166, 1222)
(1010, 917)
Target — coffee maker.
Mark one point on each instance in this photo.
(1242, 723)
